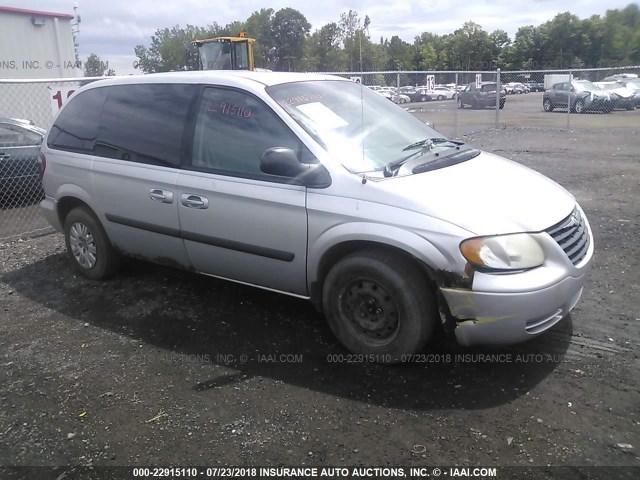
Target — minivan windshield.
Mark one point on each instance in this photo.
(361, 128)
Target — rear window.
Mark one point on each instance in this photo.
(76, 128)
(144, 123)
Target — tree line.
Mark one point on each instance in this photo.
(566, 41)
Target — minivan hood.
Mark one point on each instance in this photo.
(485, 195)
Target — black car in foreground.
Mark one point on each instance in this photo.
(20, 142)
(579, 95)
(484, 96)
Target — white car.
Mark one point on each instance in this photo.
(442, 93)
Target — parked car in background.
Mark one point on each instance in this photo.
(392, 95)
(621, 96)
(515, 88)
(579, 95)
(441, 93)
(485, 96)
(20, 142)
(535, 86)
(416, 94)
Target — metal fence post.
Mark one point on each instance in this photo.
(498, 90)
(569, 102)
(455, 111)
(398, 80)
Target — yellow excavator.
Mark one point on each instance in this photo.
(226, 53)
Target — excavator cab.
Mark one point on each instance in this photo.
(226, 53)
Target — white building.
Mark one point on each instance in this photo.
(36, 44)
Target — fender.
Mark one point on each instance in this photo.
(410, 242)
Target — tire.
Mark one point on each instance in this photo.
(630, 107)
(88, 247)
(460, 104)
(379, 303)
(425, 98)
(578, 107)
(440, 97)
(547, 105)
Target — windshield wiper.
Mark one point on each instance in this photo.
(424, 145)
(427, 142)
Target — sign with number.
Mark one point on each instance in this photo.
(478, 80)
(356, 79)
(431, 82)
(59, 98)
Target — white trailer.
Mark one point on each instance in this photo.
(552, 78)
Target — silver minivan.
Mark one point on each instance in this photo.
(316, 187)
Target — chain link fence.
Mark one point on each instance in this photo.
(27, 109)
(464, 102)
(456, 102)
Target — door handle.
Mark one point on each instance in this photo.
(194, 201)
(159, 195)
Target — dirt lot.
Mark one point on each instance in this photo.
(160, 367)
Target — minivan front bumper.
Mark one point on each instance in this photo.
(510, 318)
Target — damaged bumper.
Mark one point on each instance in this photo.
(509, 318)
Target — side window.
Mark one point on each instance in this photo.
(144, 123)
(14, 136)
(232, 131)
(471, 87)
(76, 127)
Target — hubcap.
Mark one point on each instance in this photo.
(370, 311)
(83, 245)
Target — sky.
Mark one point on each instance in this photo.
(112, 28)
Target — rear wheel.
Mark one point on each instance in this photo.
(440, 97)
(547, 105)
(379, 303)
(578, 107)
(88, 247)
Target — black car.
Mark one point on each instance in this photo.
(535, 86)
(579, 95)
(485, 96)
(415, 94)
(20, 142)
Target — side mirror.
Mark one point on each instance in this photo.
(283, 162)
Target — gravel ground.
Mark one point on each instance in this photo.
(160, 367)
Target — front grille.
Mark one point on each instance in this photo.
(572, 235)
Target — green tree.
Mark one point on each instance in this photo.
(95, 67)
(259, 25)
(290, 28)
(170, 47)
(323, 52)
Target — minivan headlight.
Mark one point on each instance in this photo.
(518, 251)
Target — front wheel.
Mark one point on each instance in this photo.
(378, 303)
(547, 105)
(88, 247)
(579, 106)
(440, 97)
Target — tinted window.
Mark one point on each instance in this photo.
(488, 87)
(76, 127)
(144, 123)
(232, 131)
(14, 136)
